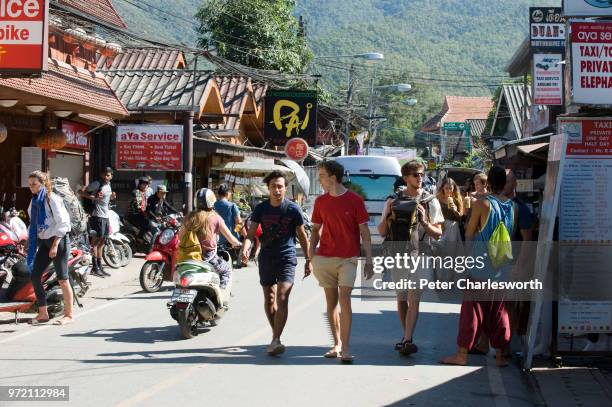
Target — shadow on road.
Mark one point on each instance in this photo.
(134, 335)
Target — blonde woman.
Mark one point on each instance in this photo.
(207, 225)
(450, 244)
(48, 242)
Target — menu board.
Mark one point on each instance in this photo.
(585, 227)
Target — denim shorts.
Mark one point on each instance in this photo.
(274, 269)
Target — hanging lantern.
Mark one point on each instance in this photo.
(3, 133)
(52, 139)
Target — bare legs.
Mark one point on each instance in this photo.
(276, 306)
(340, 315)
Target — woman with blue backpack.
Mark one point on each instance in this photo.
(48, 243)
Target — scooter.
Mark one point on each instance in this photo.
(117, 251)
(140, 244)
(19, 296)
(198, 298)
(160, 263)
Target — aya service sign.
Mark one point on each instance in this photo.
(23, 35)
(149, 148)
(592, 62)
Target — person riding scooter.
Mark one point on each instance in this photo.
(158, 207)
(199, 233)
(137, 211)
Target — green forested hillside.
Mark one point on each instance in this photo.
(441, 47)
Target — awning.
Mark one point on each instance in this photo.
(203, 146)
(252, 165)
(65, 87)
(300, 174)
(532, 148)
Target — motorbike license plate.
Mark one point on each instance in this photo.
(183, 295)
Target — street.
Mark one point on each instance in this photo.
(124, 349)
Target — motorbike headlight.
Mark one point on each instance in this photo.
(166, 237)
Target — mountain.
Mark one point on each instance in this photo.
(441, 47)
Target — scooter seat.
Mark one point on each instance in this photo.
(196, 263)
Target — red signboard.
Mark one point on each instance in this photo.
(76, 133)
(23, 35)
(588, 137)
(149, 148)
(296, 149)
(592, 62)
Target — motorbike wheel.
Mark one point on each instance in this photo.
(127, 254)
(151, 276)
(188, 323)
(112, 254)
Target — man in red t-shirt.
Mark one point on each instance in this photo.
(340, 222)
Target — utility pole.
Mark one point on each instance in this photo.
(370, 114)
(349, 100)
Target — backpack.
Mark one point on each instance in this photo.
(189, 247)
(403, 220)
(88, 204)
(499, 245)
(78, 217)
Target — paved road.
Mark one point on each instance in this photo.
(125, 350)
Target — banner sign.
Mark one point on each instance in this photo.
(592, 63)
(587, 8)
(546, 27)
(289, 114)
(149, 148)
(24, 33)
(547, 79)
(76, 135)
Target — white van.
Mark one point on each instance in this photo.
(373, 178)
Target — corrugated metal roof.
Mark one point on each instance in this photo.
(514, 96)
(259, 90)
(143, 58)
(234, 93)
(101, 9)
(477, 126)
(152, 90)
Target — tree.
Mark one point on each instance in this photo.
(261, 34)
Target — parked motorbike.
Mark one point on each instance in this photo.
(198, 298)
(160, 262)
(140, 244)
(19, 296)
(117, 251)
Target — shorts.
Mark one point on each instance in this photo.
(402, 275)
(274, 269)
(334, 272)
(98, 227)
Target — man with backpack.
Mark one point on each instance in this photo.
(492, 224)
(281, 220)
(411, 221)
(96, 199)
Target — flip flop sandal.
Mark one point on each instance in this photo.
(331, 354)
(408, 348)
(35, 321)
(399, 345)
(347, 360)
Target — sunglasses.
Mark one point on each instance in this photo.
(418, 174)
